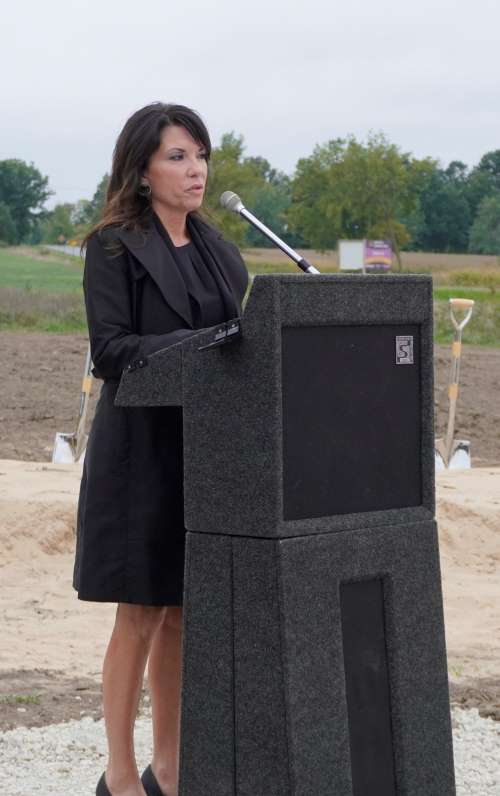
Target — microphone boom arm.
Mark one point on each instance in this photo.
(231, 201)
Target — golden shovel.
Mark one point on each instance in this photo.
(454, 454)
(69, 448)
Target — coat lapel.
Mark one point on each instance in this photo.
(208, 242)
(158, 261)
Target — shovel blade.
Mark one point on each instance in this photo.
(459, 456)
(64, 449)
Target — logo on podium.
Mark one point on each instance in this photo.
(404, 349)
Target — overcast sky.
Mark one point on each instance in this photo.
(285, 75)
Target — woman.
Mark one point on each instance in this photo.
(155, 272)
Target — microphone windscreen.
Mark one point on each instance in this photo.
(231, 201)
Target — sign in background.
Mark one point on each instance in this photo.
(378, 254)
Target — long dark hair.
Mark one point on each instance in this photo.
(138, 140)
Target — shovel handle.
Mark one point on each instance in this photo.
(84, 402)
(461, 303)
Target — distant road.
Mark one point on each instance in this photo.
(74, 250)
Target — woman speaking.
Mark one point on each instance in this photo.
(155, 272)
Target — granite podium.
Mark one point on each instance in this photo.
(314, 651)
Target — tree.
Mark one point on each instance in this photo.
(58, 225)
(353, 189)
(98, 199)
(82, 212)
(266, 171)
(270, 203)
(24, 190)
(457, 172)
(485, 231)
(375, 181)
(483, 180)
(442, 217)
(490, 165)
(312, 214)
(7, 226)
(229, 170)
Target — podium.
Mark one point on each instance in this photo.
(314, 660)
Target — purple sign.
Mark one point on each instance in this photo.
(378, 255)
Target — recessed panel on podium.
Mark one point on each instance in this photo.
(351, 419)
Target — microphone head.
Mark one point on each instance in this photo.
(231, 201)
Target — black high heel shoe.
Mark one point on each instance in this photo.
(102, 788)
(150, 783)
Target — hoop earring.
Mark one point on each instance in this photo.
(145, 190)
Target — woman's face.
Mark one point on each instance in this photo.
(177, 171)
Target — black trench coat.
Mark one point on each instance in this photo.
(130, 520)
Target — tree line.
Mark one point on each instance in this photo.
(345, 188)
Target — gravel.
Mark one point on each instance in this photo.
(69, 758)
(476, 744)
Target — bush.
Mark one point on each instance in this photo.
(489, 279)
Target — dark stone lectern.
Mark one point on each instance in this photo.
(314, 650)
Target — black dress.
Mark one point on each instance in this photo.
(204, 295)
(130, 520)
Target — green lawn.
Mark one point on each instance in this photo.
(52, 272)
(41, 292)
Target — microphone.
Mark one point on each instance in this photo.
(231, 201)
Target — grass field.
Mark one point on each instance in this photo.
(30, 270)
(42, 290)
(416, 262)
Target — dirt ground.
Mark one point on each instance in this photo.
(50, 672)
(42, 374)
(34, 698)
(53, 644)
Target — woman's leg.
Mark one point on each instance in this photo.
(164, 681)
(122, 679)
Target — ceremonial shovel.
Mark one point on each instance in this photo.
(454, 454)
(69, 448)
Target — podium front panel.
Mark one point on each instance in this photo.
(347, 393)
